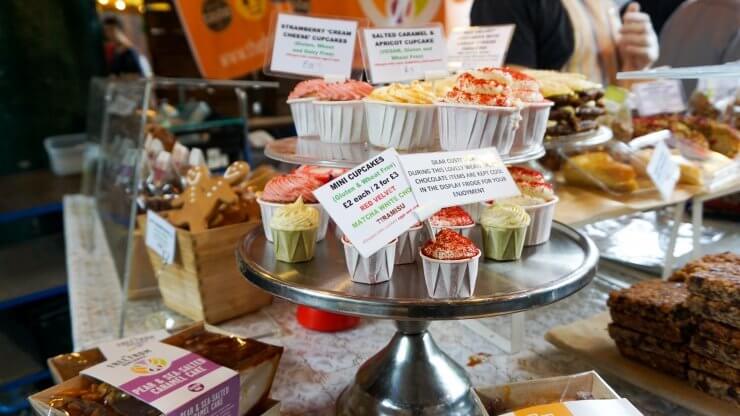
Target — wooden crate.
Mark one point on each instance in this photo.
(142, 280)
(204, 282)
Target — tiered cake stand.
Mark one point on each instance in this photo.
(412, 375)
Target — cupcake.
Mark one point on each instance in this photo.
(450, 264)
(377, 268)
(453, 218)
(504, 227)
(286, 189)
(401, 116)
(479, 111)
(538, 200)
(534, 111)
(294, 227)
(340, 111)
(301, 105)
(407, 248)
(521, 173)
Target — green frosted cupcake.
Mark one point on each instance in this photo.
(504, 228)
(294, 227)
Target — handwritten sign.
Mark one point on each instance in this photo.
(659, 97)
(663, 170)
(478, 46)
(403, 54)
(311, 46)
(161, 236)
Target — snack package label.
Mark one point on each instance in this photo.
(663, 170)
(478, 46)
(123, 346)
(553, 409)
(312, 46)
(659, 97)
(161, 236)
(172, 380)
(372, 203)
(612, 407)
(403, 54)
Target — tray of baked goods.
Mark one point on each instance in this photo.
(679, 339)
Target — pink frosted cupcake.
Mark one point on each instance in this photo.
(286, 189)
(301, 101)
(341, 112)
(453, 218)
(535, 111)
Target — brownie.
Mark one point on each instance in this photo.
(670, 350)
(715, 310)
(716, 387)
(714, 367)
(717, 284)
(719, 262)
(719, 332)
(655, 361)
(654, 300)
(717, 351)
(673, 332)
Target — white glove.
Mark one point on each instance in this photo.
(637, 43)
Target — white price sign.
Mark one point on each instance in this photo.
(123, 346)
(403, 54)
(663, 170)
(478, 46)
(161, 236)
(659, 97)
(312, 46)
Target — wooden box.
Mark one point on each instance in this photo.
(142, 280)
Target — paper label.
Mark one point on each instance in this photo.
(125, 345)
(659, 97)
(663, 170)
(610, 407)
(403, 54)
(161, 236)
(372, 203)
(172, 380)
(478, 46)
(445, 179)
(312, 46)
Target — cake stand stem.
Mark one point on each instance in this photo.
(410, 376)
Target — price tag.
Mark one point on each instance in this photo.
(161, 236)
(663, 170)
(125, 345)
(478, 46)
(372, 203)
(312, 46)
(403, 54)
(659, 97)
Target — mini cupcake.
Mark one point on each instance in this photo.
(450, 264)
(522, 173)
(377, 268)
(286, 189)
(480, 111)
(340, 111)
(407, 248)
(535, 111)
(294, 227)
(504, 228)
(538, 200)
(453, 218)
(401, 116)
(301, 101)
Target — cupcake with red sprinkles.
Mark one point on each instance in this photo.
(450, 264)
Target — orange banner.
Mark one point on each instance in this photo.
(384, 12)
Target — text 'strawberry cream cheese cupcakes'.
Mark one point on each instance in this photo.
(453, 218)
(538, 199)
(401, 116)
(286, 189)
(450, 264)
(340, 111)
(535, 110)
(301, 101)
(479, 111)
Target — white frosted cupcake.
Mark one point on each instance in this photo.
(504, 227)
(401, 116)
(340, 111)
(453, 218)
(377, 268)
(294, 228)
(450, 265)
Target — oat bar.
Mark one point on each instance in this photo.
(673, 332)
(723, 261)
(655, 300)
(723, 353)
(715, 310)
(673, 351)
(719, 332)
(714, 367)
(717, 284)
(655, 361)
(713, 386)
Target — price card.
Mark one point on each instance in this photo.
(403, 54)
(659, 97)
(478, 46)
(123, 346)
(312, 46)
(372, 203)
(663, 170)
(445, 179)
(161, 236)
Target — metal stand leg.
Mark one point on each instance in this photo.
(670, 250)
(410, 376)
(697, 216)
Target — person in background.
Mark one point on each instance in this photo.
(584, 36)
(658, 10)
(121, 56)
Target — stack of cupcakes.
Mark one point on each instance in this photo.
(450, 264)
(535, 110)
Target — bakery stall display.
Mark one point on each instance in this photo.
(702, 132)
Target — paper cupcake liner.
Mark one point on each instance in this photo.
(532, 127)
(503, 243)
(463, 230)
(450, 278)
(341, 121)
(473, 210)
(294, 246)
(377, 268)
(267, 210)
(540, 226)
(304, 116)
(310, 147)
(399, 125)
(407, 247)
(463, 127)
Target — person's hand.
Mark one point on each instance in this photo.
(637, 43)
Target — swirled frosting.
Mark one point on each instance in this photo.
(487, 86)
(449, 245)
(307, 88)
(525, 88)
(288, 188)
(539, 189)
(344, 91)
(451, 217)
(295, 217)
(414, 93)
(501, 215)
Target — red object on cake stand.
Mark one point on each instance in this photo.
(323, 321)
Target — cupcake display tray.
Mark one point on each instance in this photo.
(580, 140)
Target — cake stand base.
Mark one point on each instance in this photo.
(410, 376)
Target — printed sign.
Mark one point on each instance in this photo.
(125, 345)
(663, 170)
(403, 54)
(659, 97)
(312, 46)
(612, 407)
(372, 203)
(161, 236)
(384, 12)
(478, 46)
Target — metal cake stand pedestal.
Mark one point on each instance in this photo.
(412, 375)
(581, 140)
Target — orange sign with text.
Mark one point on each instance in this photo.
(384, 13)
(228, 38)
(554, 409)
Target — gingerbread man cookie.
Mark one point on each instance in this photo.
(201, 199)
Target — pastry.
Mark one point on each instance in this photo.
(723, 333)
(525, 174)
(454, 218)
(716, 387)
(201, 199)
(597, 169)
(401, 116)
(673, 351)
(286, 189)
(676, 332)
(450, 264)
(720, 283)
(340, 112)
(504, 229)
(447, 246)
(691, 174)
(294, 228)
(710, 366)
(656, 361)
(727, 313)
(413, 93)
(485, 86)
(726, 261)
